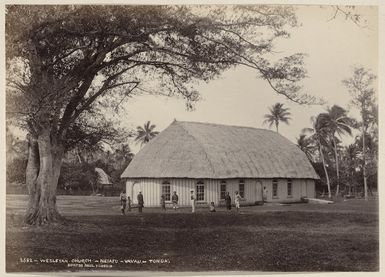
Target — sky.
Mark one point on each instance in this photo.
(238, 97)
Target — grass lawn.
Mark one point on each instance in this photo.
(303, 237)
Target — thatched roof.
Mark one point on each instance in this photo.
(103, 177)
(203, 150)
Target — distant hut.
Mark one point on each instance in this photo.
(213, 159)
(104, 183)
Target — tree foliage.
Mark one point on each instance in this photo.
(307, 146)
(336, 122)
(350, 13)
(361, 87)
(68, 56)
(357, 161)
(145, 133)
(277, 114)
(79, 173)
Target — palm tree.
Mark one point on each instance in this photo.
(122, 156)
(350, 164)
(336, 122)
(306, 145)
(319, 136)
(145, 133)
(277, 114)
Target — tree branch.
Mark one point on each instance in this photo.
(126, 94)
(92, 98)
(68, 54)
(121, 58)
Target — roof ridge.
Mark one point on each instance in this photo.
(220, 124)
(200, 145)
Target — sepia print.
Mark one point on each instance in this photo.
(191, 138)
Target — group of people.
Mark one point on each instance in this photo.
(212, 204)
(237, 201)
(126, 200)
(174, 200)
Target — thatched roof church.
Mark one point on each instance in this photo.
(220, 157)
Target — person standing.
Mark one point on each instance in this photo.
(123, 200)
(163, 202)
(140, 201)
(264, 194)
(237, 201)
(192, 199)
(129, 203)
(228, 201)
(175, 200)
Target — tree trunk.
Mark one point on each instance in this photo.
(364, 162)
(43, 171)
(80, 158)
(326, 172)
(276, 126)
(32, 171)
(337, 166)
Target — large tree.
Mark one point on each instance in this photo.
(66, 62)
(361, 87)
